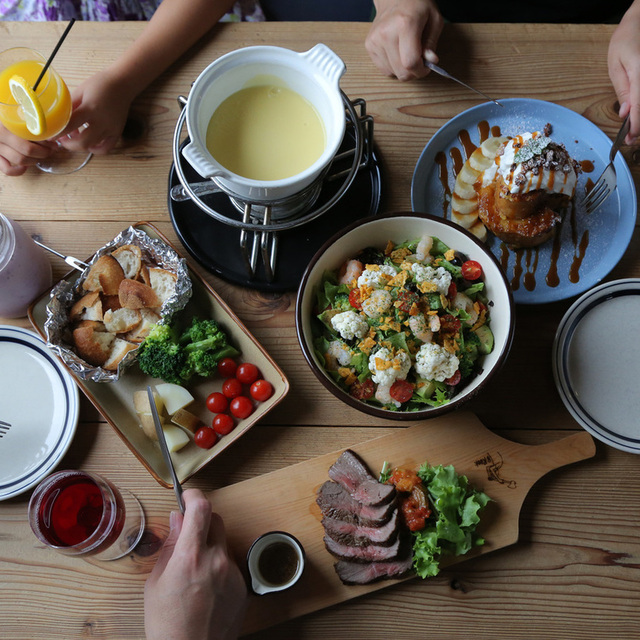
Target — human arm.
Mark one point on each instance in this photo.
(195, 590)
(624, 67)
(402, 34)
(103, 100)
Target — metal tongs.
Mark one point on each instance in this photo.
(177, 487)
(446, 74)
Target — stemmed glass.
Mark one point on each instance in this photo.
(51, 112)
(78, 513)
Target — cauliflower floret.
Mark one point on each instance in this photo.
(338, 355)
(349, 325)
(440, 276)
(387, 367)
(377, 277)
(377, 303)
(433, 362)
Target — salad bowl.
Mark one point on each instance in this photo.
(374, 376)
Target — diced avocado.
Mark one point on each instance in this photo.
(325, 318)
(425, 388)
(485, 336)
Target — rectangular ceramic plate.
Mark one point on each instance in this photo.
(114, 400)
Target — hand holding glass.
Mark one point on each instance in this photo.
(50, 112)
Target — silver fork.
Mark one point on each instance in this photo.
(70, 260)
(4, 428)
(606, 183)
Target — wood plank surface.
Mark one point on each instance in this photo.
(575, 570)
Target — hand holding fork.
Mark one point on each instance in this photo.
(606, 183)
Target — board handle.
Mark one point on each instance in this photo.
(559, 453)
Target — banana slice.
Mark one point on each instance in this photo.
(466, 221)
(464, 190)
(491, 146)
(478, 161)
(468, 174)
(479, 230)
(465, 207)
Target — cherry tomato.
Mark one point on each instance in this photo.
(223, 424)
(217, 402)
(449, 324)
(406, 300)
(362, 390)
(471, 270)
(231, 388)
(247, 373)
(261, 390)
(227, 367)
(401, 391)
(454, 379)
(205, 437)
(453, 290)
(355, 299)
(241, 407)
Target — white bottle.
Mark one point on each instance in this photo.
(25, 270)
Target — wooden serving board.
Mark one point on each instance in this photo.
(285, 500)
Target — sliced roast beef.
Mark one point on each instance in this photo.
(352, 473)
(361, 536)
(370, 553)
(365, 572)
(336, 502)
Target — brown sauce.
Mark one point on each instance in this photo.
(587, 166)
(443, 175)
(465, 141)
(278, 563)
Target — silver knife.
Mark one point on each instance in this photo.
(166, 454)
(446, 74)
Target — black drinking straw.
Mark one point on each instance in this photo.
(53, 53)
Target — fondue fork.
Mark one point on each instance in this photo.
(446, 74)
(70, 260)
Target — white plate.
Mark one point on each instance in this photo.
(40, 402)
(596, 362)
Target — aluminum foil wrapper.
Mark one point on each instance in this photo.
(64, 294)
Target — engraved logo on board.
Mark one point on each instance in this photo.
(493, 464)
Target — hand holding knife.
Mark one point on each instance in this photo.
(166, 454)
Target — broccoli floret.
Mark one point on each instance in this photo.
(160, 356)
(197, 351)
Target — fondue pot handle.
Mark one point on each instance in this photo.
(326, 61)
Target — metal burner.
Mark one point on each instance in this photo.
(262, 220)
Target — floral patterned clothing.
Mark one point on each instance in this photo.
(107, 10)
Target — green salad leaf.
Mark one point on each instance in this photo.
(456, 509)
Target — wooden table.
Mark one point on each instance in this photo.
(575, 572)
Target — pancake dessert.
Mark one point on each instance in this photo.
(516, 188)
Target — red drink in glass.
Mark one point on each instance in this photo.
(78, 513)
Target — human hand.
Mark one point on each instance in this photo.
(624, 67)
(100, 110)
(196, 590)
(17, 155)
(402, 34)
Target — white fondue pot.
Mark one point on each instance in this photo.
(314, 74)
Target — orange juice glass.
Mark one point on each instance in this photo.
(52, 93)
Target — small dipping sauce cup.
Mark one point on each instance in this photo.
(275, 562)
(82, 514)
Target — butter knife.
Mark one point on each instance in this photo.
(166, 454)
(446, 74)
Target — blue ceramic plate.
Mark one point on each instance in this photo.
(586, 247)
(599, 328)
(39, 406)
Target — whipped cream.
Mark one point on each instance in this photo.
(533, 173)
